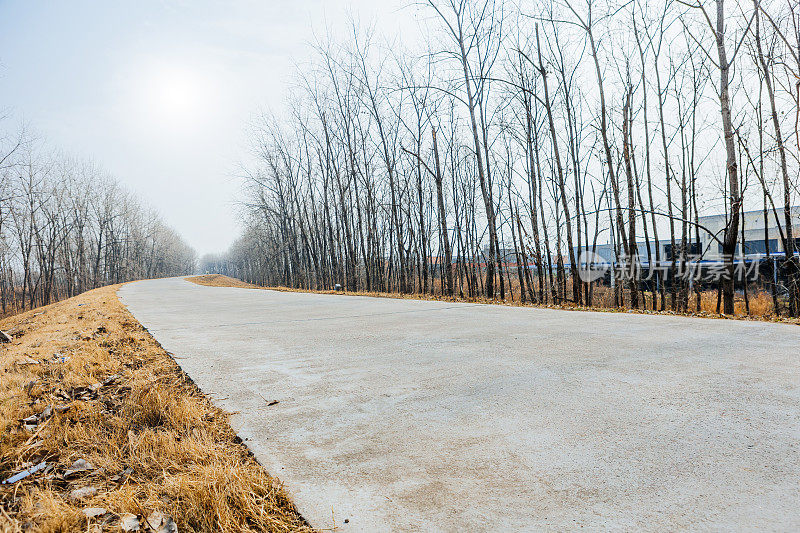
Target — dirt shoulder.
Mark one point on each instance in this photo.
(115, 433)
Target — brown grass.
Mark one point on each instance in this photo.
(155, 442)
(218, 280)
(760, 302)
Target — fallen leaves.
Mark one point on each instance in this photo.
(82, 493)
(129, 522)
(31, 423)
(79, 466)
(156, 521)
(161, 523)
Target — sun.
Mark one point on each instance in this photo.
(176, 96)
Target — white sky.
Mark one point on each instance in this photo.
(159, 93)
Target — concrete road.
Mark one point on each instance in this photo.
(403, 415)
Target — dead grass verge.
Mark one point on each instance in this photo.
(760, 303)
(122, 433)
(218, 280)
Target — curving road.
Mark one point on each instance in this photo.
(404, 415)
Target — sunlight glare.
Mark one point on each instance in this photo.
(177, 96)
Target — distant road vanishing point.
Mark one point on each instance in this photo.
(407, 415)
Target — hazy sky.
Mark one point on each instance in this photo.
(159, 93)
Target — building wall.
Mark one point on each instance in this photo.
(754, 225)
(715, 225)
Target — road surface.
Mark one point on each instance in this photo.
(404, 415)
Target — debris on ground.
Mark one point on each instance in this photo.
(122, 476)
(268, 402)
(100, 430)
(94, 512)
(129, 522)
(82, 493)
(80, 465)
(161, 523)
(25, 473)
(59, 357)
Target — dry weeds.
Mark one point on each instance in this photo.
(99, 388)
(218, 280)
(760, 302)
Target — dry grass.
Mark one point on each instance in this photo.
(218, 280)
(154, 441)
(760, 302)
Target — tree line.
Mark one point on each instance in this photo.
(520, 135)
(66, 226)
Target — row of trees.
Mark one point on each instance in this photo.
(67, 227)
(522, 135)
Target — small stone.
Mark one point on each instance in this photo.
(129, 522)
(161, 523)
(93, 512)
(155, 519)
(82, 493)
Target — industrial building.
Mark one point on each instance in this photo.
(759, 236)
